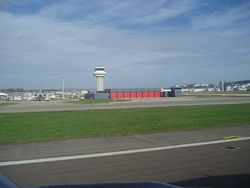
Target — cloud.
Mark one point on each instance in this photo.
(119, 13)
(233, 21)
(161, 13)
(7, 3)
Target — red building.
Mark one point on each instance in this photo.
(134, 93)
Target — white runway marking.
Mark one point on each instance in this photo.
(54, 159)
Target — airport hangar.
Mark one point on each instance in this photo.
(133, 93)
(126, 93)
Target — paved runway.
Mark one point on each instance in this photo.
(116, 143)
(217, 165)
(36, 106)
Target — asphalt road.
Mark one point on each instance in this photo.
(217, 165)
(37, 106)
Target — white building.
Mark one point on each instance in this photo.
(99, 74)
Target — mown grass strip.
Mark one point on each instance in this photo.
(4, 103)
(45, 126)
(96, 101)
(217, 94)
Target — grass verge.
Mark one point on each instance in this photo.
(217, 94)
(45, 126)
(4, 103)
(96, 101)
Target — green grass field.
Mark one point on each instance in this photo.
(44, 126)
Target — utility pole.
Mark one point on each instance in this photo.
(63, 88)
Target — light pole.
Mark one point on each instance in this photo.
(63, 88)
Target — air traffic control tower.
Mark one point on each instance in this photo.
(99, 74)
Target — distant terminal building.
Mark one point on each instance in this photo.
(242, 85)
(172, 92)
(175, 92)
(4, 95)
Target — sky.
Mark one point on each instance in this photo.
(141, 43)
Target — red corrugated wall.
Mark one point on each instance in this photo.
(120, 95)
(151, 94)
(145, 94)
(157, 94)
(126, 95)
(133, 94)
(137, 94)
(113, 95)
